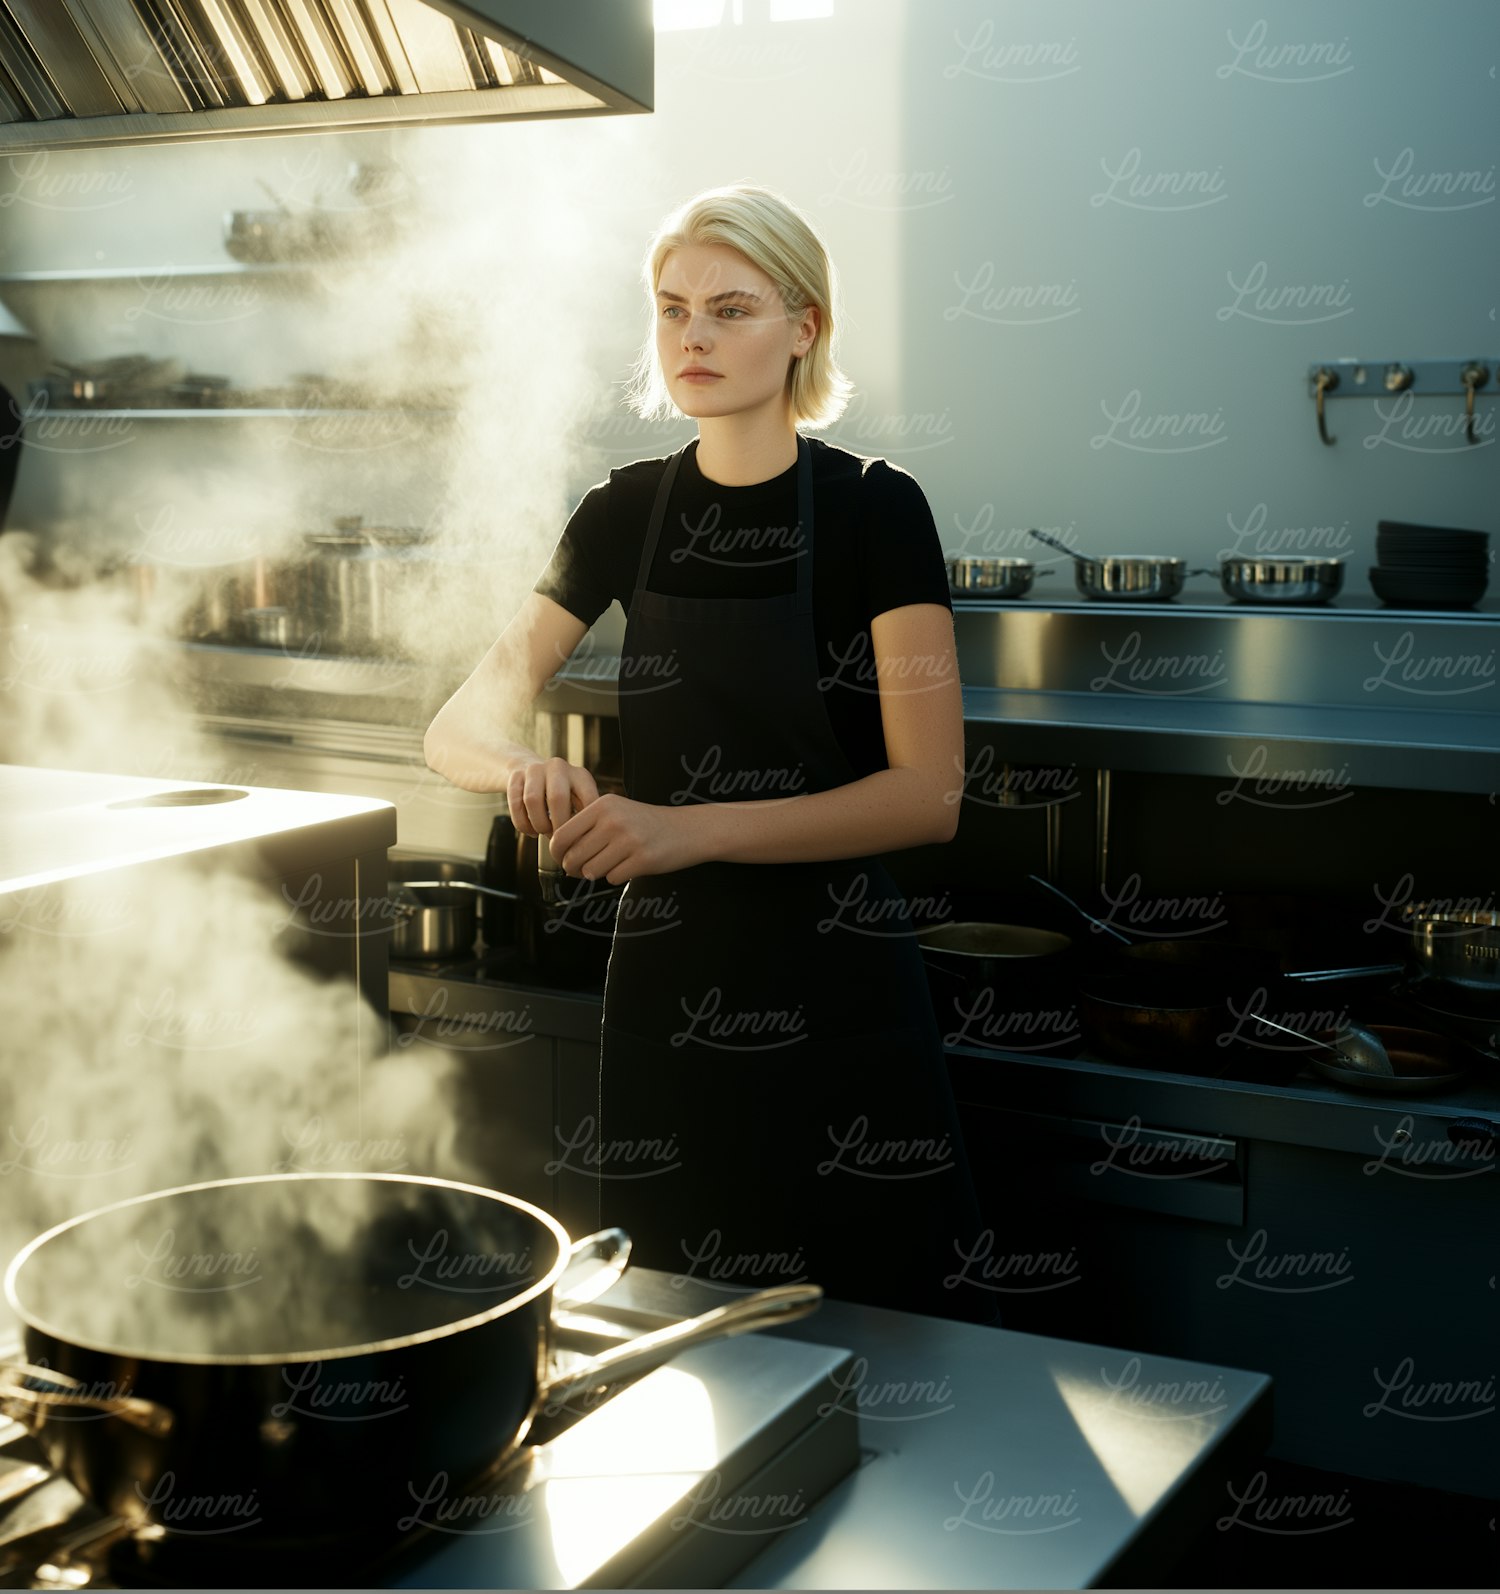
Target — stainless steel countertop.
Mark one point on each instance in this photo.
(58, 824)
(1001, 1460)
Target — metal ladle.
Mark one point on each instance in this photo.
(1358, 1048)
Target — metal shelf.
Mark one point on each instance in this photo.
(134, 274)
(1304, 1111)
(288, 670)
(208, 413)
(1415, 749)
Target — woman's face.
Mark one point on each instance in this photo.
(723, 335)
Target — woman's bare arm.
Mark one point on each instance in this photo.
(474, 739)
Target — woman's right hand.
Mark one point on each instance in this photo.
(545, 793)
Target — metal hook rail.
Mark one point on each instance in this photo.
(1390, 379)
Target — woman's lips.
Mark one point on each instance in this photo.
(699, 376)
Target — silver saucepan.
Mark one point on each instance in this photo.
(992, 578)
(1299, 581)
(1127, 577)
(435, 919)
(1458, 946)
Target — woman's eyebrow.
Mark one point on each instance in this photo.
(733, 293)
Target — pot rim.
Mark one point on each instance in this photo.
(1063, 942)
(537, 1290)
(1163, 561)
(1479, 919)
(1241, 560)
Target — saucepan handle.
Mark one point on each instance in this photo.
(594, 1263)
(31, 1407)
(785, 1304)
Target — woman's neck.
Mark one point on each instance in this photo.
(740, 450)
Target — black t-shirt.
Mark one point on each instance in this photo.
(875, 547)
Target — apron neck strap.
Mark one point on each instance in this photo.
(804, 525)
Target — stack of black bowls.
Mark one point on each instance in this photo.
(1429, 567)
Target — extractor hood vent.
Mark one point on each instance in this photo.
(91, 73)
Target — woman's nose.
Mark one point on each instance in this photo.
(695, 333)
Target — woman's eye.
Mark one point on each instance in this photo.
(735, 310)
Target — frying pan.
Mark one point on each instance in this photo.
(271, 1363)
(1422, 1060)
(1169, 1002)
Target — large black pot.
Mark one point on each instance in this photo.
(282, 1364)
(1004, 986)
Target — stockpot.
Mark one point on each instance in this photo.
(312, 1344)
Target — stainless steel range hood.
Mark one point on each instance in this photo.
(94, 73)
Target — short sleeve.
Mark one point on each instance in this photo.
(578, 574)
(901, 554)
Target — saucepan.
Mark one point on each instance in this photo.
(288, 1357)
(436, 919)
(1458, 946)
(989, 950)
(992, 578)
(1291, 581)
(1009, 979)
(1130, 577)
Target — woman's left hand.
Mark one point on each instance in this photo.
(616, 839)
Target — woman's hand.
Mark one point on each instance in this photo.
(543, 794)
(616, 839)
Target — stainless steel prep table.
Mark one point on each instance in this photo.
(1003, 1460)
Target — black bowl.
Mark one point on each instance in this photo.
(1404, 589)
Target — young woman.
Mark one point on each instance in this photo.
(773, 1098)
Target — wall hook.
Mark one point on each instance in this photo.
(1324, 381)
(1474, 377)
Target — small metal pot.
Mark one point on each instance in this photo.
(223, 595)
(1300, 581)
(992, 578)
(269, 627)
(1459, 947)
(353, 583)
(445, 922)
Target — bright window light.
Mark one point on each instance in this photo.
(675, 15)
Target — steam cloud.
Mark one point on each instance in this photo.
(156, 1034)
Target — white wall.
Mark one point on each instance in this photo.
(1005, 294)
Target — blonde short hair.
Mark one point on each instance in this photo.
(774, 235)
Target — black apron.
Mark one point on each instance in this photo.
(773, 1099)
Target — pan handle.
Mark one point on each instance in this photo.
(1098, 924)
(595, 1263)
(31, 1407)
(1342, 974)
(458, 885)
(785, 1304)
